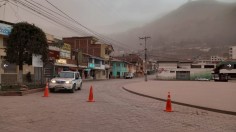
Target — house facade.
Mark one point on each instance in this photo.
(136, 64)
(91, 46)
(119, 68)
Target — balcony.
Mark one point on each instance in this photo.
(107, 66)
(97, 65)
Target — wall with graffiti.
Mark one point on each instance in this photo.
(170, 73)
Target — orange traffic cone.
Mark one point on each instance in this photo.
(168, 104)
(46, 93)
(90, 99)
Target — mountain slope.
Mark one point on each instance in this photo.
(203, 27)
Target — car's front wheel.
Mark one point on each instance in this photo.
(73, 88)
(52, 90)
(80, 87)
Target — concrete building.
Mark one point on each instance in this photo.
(182, 70)
(232, 52)
(90, 45)
(9, 71)
(119, 68)
(217, 59)
(136, 61)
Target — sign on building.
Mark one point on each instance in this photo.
(65, 51)
(5, 29)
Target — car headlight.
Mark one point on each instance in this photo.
(67, 82)
(53, 81)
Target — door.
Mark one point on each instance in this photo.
(183, 75)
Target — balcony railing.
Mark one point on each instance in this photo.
(107, 66)
(97, 65)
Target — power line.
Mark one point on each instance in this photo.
(56, 17)
(95, 33)
(52, 17)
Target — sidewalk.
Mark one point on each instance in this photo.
(213, 96)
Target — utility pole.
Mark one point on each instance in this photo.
(145, 49)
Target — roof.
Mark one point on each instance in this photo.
(1, 21)
(186, 61)
(85, 37)
(227, 62)
(91, 56)
(117, 60)
(167, 61)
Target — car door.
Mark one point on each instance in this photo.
(78, 80)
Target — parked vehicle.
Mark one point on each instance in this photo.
(202, 79)
(129, 75)
(68, 80)
(220, 77)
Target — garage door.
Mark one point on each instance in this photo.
(183, 75)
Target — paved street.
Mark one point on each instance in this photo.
(114, 110)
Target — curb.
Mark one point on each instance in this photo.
(20, 93)
(184, 104)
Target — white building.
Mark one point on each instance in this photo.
(183, 70)
(217, 59)
(232, 52)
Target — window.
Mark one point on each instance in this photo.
(97, 61)
(209, 66)
(77, 75)
(90, 60)
(118, 64)
(8, 67)
(195, 66)
(118, 73)
(106, 52)
(66, 75)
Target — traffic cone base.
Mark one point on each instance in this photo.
(46, 91)
(90, 99)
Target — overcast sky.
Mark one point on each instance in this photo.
(102, 16)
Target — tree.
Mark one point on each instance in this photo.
(24, 40)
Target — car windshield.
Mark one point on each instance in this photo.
(66, 75)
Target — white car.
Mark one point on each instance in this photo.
(129, 75)
(68, 80)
